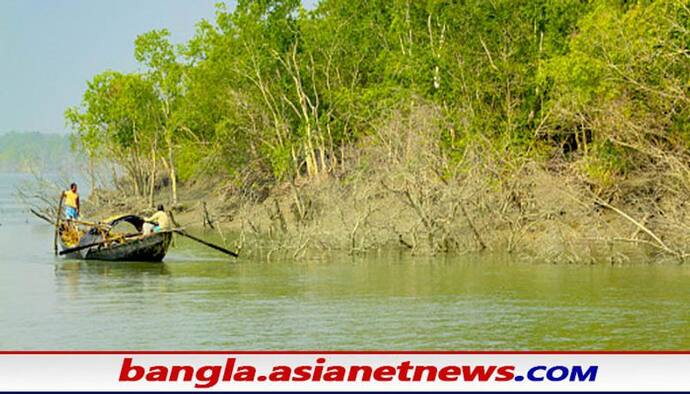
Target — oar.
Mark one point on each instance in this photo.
(57, 224)
(210, 245)
(82, 247)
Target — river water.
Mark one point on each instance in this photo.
(199, 300)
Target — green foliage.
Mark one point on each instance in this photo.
(120, 112)
(625, 78)
(270, 87)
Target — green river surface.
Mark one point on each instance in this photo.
(198, 299)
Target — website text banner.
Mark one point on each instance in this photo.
(343, 371)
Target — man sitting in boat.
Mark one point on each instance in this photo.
(71, 201)
(158, 222)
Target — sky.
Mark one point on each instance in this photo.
(50, 48)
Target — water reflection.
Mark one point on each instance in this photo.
(73, 277)
(111, 270)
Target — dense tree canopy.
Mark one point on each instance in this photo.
(274, 91)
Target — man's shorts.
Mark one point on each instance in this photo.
(71, 213)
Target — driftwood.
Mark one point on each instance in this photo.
(47, 219)
(41, 216)
(661, 245)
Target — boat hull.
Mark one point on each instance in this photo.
(151, 248)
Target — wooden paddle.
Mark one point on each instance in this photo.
(210, 245)
(57, 224)
(82, 247)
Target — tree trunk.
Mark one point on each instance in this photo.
(173, 176)
(152, 179)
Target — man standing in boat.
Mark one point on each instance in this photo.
(159, 221)
(71, 202)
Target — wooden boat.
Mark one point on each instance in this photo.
(111, 246)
